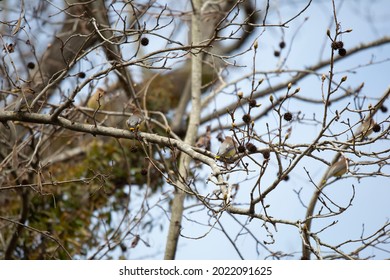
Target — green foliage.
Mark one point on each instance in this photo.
(75, 209)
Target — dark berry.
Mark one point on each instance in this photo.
(287, 116)
(266, 154)
(286, 178)
(246, 118)
(251, 148)
(241, 149)
(337, 45)
(376, 128)
(277, 53)
(383, 109)
(144, 41)
(81, 75)
(282, 45)
(31, 65)
(252, 103)
(342, 52)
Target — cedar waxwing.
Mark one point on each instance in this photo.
(134, 121)
(338, 169)
(205, 140)
(227, 148)
(364, 129)
(96, 99)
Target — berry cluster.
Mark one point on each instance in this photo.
(339, 45)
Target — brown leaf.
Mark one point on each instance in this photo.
(134, 243)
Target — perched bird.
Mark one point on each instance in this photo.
(135, 120)
(205, 140)
(364, 129)
(337, 169)
(96, 99)
(227, 149)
